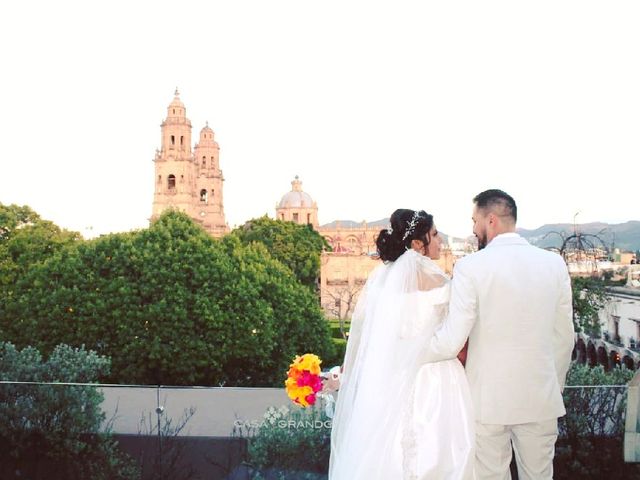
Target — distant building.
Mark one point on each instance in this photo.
(619, 343)
(623, 257)
(185, 179)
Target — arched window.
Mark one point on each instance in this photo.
(212, 193)
(203, 196)
(353, 244)
(181, 178)
(174, 111)
(204, 161)
(159, 178)
(171, 182)
(309, 218)
(295, 217)
(173, 140)
(181, 140)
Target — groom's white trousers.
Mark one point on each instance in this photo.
(534, 444)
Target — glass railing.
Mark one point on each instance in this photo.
(77, 431)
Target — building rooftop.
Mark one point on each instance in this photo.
(296, 198)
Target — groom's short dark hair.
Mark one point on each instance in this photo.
(497, 199)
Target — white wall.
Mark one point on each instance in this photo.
(216, 408)
(627, 307)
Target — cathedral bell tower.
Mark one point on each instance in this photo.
(188, 181)
(208, 182)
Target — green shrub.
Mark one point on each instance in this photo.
(336, 359)
(55, 431)
(334, 325)
(591, 433)
(291, 443)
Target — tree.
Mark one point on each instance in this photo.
(171, 305)
(13, 217)
(589, 297)
(25, 240)
(55, 431)
(296, 246)
(342, 301)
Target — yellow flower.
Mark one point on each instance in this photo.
(310, 362)
(291, 383)
(299, 394)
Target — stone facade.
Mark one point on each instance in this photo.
(342, 277)
(344, 273)
(185, 179)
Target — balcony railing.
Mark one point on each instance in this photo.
(239, 433)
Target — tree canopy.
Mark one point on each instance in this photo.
(170, 305)
(296, 246)
(25, 240)
(589, 297)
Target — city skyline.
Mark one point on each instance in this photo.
(375, 106)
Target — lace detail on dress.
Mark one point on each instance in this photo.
(408, 442)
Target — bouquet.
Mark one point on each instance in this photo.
(304, 379)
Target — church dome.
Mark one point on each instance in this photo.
(296, 198)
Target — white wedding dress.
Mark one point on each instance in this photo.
(396, 418)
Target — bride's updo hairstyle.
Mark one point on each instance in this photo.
(406, 225)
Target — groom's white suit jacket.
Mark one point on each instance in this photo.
(513, 301)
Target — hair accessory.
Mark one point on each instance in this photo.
(390, 231)
(411, 225)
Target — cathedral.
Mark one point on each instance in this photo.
(186, 179)
(190, 180)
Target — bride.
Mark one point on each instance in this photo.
(396, 418)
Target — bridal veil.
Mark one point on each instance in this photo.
(395, 417)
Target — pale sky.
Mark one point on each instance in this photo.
(375, 105)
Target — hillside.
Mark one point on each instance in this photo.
(625, 236)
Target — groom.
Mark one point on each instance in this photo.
(513, 301)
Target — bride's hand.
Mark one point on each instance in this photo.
(331, 380)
